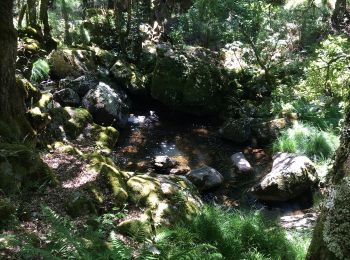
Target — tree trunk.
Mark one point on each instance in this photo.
(32, 19)
(339, 15)
(13, 124)
(67, 36)
(331, 236)
(11, 101)
(44, 18)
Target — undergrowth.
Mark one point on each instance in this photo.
(216, 233)
(307, 140)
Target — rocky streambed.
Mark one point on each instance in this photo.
(157, 140)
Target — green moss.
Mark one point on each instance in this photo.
(21, 167)
(31, 93)
(68, 149)
(137, 228)
(106, 137)
(37, 119)
(190, 82)
(45, 102)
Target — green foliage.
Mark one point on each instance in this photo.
(40, 71)
(307, 140)
(328, 76)
(217, 233)
(65, 241)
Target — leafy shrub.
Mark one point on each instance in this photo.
(307, 140)
(40, 70)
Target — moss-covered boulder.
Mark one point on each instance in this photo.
(110, 185)
(138, 228)
(37, 119)
(31, 94)
(21, 167)
(169, 198)
(190, 79)
(70, 62)
(128, 76)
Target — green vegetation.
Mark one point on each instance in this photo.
(40, 71)
(307, 140)
(216, 233)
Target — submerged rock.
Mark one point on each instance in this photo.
(291, 175)
(205, 178)
(106, 105)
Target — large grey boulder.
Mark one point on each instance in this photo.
(106, 105)
(205, 178)
(291, 175)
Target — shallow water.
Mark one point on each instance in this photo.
(196, 142)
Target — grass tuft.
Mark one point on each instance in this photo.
(307, 140)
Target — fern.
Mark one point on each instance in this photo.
(40, 70)
(65, 241)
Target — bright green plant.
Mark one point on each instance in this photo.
(307, 140)
(40, 71)
(217, 233)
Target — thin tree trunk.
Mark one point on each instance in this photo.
(21, 15)
(67, 36)
(32, 19)
(44, 18)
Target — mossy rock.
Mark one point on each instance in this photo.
(139, 229)
(21, 167)
(16, 130)
(31, 93)
(70, 62)
(113, 180)
(68, 149)
(169, 198)
(128, 76)
(191, 80)
(80, 204)
(105, 137)
(31, 32)
(37, 119)
(68, 122)
(45, 103)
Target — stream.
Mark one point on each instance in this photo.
(154, 130)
